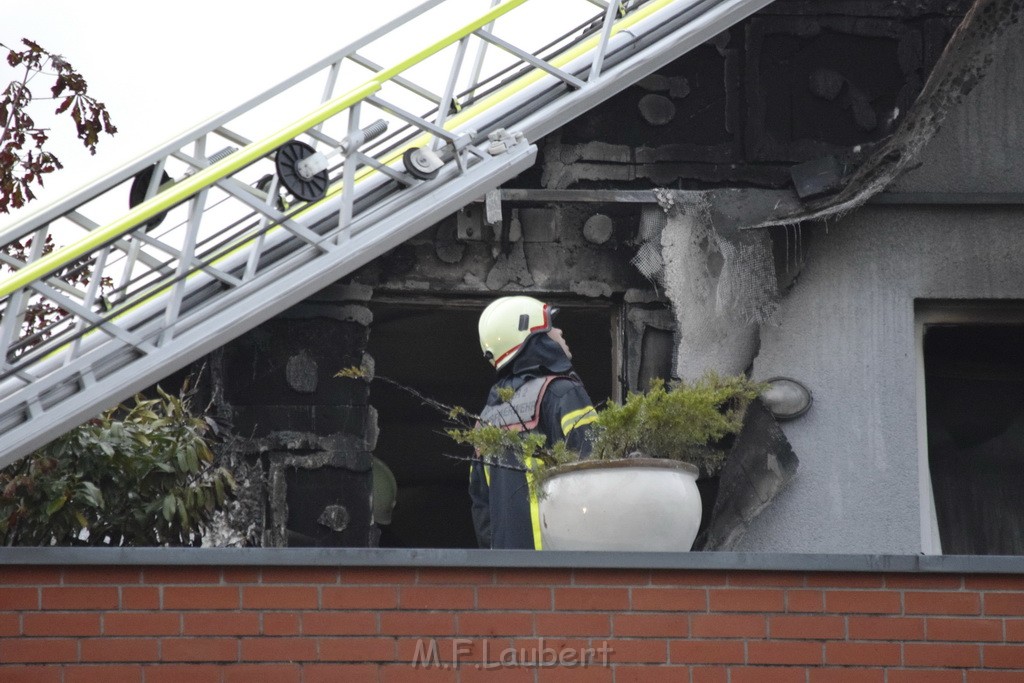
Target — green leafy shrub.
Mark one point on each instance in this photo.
(135, 476)
(679, 422)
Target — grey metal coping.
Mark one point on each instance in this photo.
(523, 559)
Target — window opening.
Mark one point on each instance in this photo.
(974, 394)
(433, 347)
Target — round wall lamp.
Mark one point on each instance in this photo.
(786, 398)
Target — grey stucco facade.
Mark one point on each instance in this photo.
(847, 328)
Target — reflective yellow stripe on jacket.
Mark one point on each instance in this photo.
(578, 418)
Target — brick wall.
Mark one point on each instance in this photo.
(194, 624)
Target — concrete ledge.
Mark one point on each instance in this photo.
(526, 559)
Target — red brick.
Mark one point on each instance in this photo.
(563, 624)
(80, 597)
(1003, 656)
(981, 676)
(454, 577)
(199, 650)
(514, 597)
(728, 626)
(561, 674)
(591, 599)
(278, 649)
(941, 654)
(402, 673)
(947, 582)
(29, 576)
(337, 673)
(746, 600)
(763, 674)
(611, 577)
(10, 624)
(385, 576)
(537, 577)
(862, 602)
(193, 576)
(682, 577)
(281, 623)
(838, 580)
(120, 650)
(417, 623)
(941, 602)
(358, 649)
(106, 574)
(61, 624)
(176, 673)
(815, 628)
(264, 673)
(303, 575)
(1010, 604)
(631, 650)
(495, 624)
(436, 597)
(339, 623)
(995, 582)
(38, 650)
(240, 574)
(19, 673)
(788, 652)
(669, 599)
(874, 654)
(706, 652)
(925, 676)
(709, 674)
(972, 630)
(107, 673)
(885, 628)
(650, 625)
(665, 673)
(201, 597)
(1014, 630)
(758, 579)
(141, 624)
(469, 674)
(18, 599)
(359, 597)
(846, 675)
(221, 623)
(280, 597)
(140, 597)
(805, 601)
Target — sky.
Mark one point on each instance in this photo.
(163, 69)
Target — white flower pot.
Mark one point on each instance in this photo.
(639, 504)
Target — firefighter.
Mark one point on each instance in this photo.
(531, 357)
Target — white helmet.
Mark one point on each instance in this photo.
(507, 323)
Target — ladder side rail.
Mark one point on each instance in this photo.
(418, 209)
(84, 195)
(434, 50)
(243, 157)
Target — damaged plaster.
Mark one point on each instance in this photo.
(722, 287)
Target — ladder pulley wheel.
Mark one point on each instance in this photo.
(417, 165)
(287, 162)
(137, 193)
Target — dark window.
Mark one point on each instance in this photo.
(974, 384)
(434, 349)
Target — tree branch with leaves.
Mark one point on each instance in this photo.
(24, 161)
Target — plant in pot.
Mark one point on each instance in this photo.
(636, 490)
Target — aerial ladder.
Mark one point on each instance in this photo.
(249, 213)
